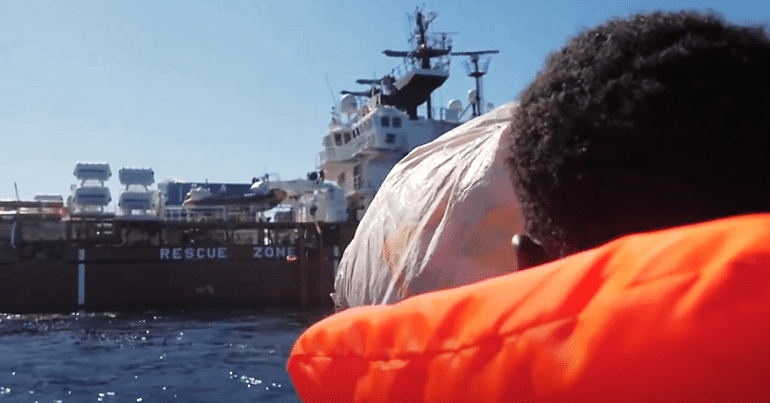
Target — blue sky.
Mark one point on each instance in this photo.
(227, 90)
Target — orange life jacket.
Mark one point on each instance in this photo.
(675, 315)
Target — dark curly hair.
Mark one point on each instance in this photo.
(643, 123)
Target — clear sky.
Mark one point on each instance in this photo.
(227, 90)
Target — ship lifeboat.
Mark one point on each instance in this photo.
(135, 201)
(92, 196)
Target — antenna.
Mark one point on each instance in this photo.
(425, 46)
(476, 66)
(329, 84)
(422, 40)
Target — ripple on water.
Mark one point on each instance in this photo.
(209, 357)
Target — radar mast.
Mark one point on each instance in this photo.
(476, 66)
(423, 74)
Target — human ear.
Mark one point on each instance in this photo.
(528, 252)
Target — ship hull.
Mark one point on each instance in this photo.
(99, 272)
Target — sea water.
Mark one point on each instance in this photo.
(202, 356)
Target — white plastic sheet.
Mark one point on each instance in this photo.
(443, 217)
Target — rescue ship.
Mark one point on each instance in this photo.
(157, 252)
(271, 243)
(371, 130)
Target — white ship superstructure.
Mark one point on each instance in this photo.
(372, 130)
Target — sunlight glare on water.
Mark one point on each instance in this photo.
(209, 356)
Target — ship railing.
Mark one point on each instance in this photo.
(211, 214)
(174, 214)
(439, 65)
(194, 213)
(450, 115)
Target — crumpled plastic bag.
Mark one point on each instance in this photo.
(443, 217)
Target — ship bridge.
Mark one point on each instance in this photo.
(415, 87)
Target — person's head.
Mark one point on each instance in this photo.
(644, 123)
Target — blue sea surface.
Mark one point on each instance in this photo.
(203, 356)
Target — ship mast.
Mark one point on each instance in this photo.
(415, 87)
(476, 66)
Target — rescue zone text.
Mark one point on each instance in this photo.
(221, 253)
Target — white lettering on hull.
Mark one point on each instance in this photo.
(220, 253)
(81, 277)
(275, 252)
(193, 253)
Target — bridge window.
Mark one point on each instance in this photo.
(337, 139)
(347, 137)
(396, 122)
(390, 138)
(385, 121)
